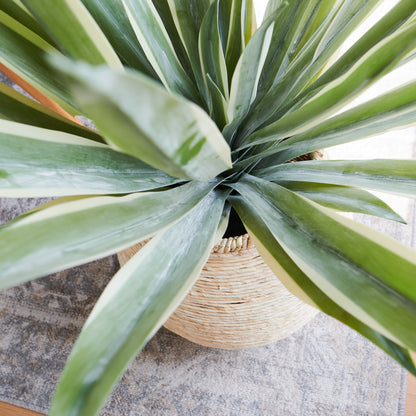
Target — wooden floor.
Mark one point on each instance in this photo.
(411, 394)
(10, 410)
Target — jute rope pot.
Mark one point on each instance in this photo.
(237, 301)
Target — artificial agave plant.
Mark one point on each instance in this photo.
(198, 111)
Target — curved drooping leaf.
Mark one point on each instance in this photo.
(158, 48)
(73, 233)
(386, 175)
(299, 283)
(334, 253)
(344, 198)
(134, 305)
(38, 162)
(17, 107)
(126, 107)
(377, 62)
(112, 19)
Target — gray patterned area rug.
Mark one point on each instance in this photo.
(323, 369)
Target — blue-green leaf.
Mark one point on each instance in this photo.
(134, 305)
(366, 273)
(302, 286)
(127, 109)
(38, 162)
(387, 175)
(76, 232)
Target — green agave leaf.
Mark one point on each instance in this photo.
(324, 8)
(127, 109)
(15, 10)
(387, 175)
(23, 54)
(212, 51)
(317, 53)
(407, 59)
(320, 48)
(381, 33)
(218, 104)
(154, 40)
(73, 28)
(376, 63)
(73, 233)
(247, 74)
(261, 66)
(236, 39)
(366, 273)
(299, 283)
(187, 16)
(164, 12)
(249, 21)
(15, 106)
(137, 301)
(26, 33)
(344, 198)
(271, 7)
(395, 109)
(38, 162)
(111, 16)
(291, 24)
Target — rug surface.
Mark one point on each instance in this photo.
(323, 369)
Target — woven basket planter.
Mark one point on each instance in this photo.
(237, 301)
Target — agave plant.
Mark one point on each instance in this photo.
(197, 111)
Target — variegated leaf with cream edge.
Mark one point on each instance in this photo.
(129, 306)
(334, 251)
(112, 19)
(75, 30)
(396, 176)
(396, 108)
(155, 41)
(195, 111)
(302, 286)
(104, 225)
(19, 108)
(126, 107)
(39, 162)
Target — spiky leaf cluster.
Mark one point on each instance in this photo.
(198, 111)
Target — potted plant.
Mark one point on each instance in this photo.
(197, 112)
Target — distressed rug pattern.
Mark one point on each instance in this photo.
(323, 369)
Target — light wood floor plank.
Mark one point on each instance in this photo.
(411, 394)
(10, 410)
